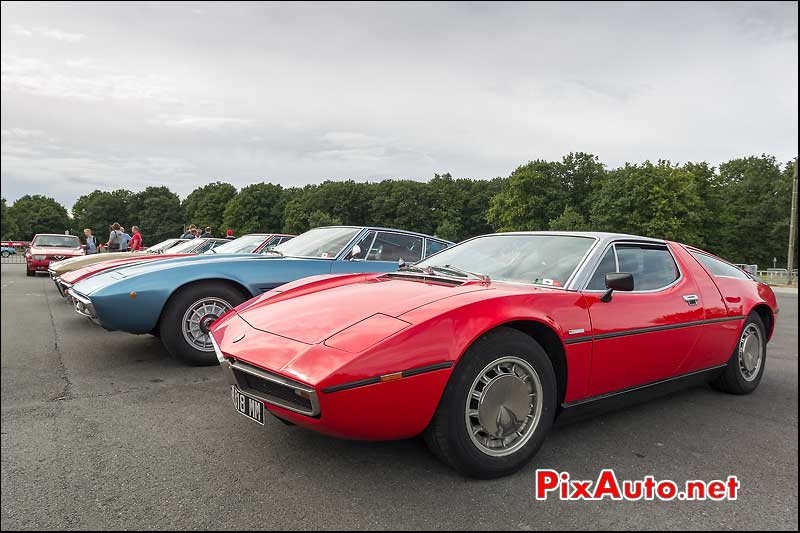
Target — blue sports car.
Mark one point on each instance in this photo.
(177, 299)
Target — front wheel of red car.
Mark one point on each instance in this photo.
(497, 407)
(30, 273)
(746, 365)
(187, 316)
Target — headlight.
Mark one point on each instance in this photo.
(39, 257)
(366, 333)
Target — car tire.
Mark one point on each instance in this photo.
(5, 255)
(452, 435)
(186, 304)
(742, 374)
(30, 273)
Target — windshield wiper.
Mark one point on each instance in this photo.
(466, 273)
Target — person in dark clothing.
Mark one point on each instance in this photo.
(189, 233)
(207, 233)
(115, 238)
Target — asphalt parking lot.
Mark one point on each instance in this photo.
(104, 431)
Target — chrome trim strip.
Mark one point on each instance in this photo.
(651, 329)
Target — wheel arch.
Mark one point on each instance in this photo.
(549, 340)
(246, 294)
(765, 313)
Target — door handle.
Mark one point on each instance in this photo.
(691, 299)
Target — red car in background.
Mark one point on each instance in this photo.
(481, 346)
(48, 247)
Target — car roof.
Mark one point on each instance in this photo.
(395, 230)
(599, 235)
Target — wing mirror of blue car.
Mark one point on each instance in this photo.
(617, 281)
(355, 252)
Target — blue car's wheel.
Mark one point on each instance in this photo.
(187, 316)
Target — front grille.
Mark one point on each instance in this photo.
(275, 389)
(272, 389)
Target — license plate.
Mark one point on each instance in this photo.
(248, 406)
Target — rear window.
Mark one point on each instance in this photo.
(719, 268)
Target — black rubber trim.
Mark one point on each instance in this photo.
(651, 329)
(372, 381)
(603, 403)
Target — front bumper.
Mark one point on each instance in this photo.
(271, 388)
(83, 305)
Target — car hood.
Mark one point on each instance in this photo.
(87, 270)
(81, 261)
(55, 250)
(103, 279)
(332, 305)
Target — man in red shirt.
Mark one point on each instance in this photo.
(136, 240)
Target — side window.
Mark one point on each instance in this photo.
(606, 266)
(719, 268)
(431, 247)
(652, 266)
(364, 243)
(206, 246)
(395, 246)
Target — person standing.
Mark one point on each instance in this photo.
(91, 242)
(136, 240)
(114, 238)
(189, 233)
(126, 239)
(207, 233)
(229, 235)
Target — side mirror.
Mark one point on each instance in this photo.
(617, 281)
(355, 252)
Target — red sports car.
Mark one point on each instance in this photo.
(46, 247)
(481, 346)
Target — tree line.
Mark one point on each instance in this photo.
(739, 210)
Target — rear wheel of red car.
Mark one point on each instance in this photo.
(187, 315)
(746, 365)
(497, 407)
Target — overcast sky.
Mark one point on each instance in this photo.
(135, 94)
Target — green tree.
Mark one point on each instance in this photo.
(754, 202)
(38, 214)
(205, 206)
(99, 209)
(569, 220)
(539, 192)
(257, 208)
(8, 226)
(347, 201)
(157, 211)
(658, 200)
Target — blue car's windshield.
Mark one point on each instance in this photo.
(318, 243)
(537, 259)
(243, 245)
(163, 245)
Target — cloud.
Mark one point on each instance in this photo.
(200, 122)
(34, 76)
(52, 33)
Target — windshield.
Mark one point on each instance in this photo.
(163, 245)
(243, 245)
(61, 241)
(319, 243)
(537, 259)
(187, 247)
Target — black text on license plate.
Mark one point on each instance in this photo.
(250, 407)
